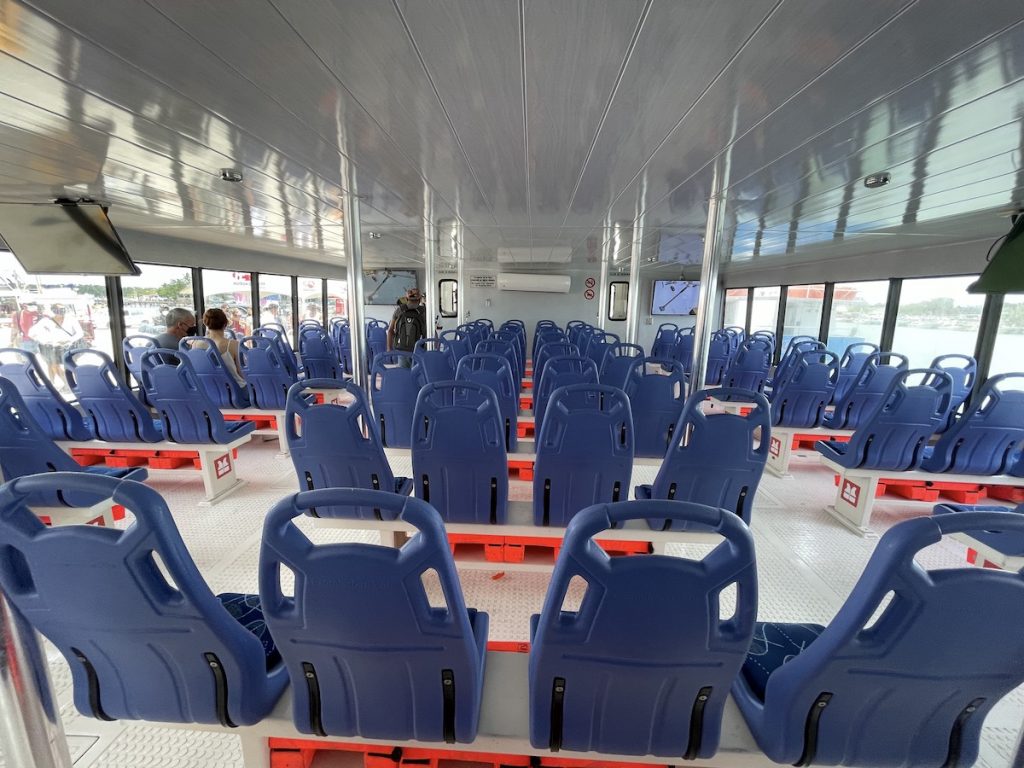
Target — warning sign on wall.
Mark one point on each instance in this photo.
(483, 281)
(588, 294)
(590, 282)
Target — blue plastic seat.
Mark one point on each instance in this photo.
(546, 336)
(115, 414)
(853, 361)
(737, 336)
(749, 367)
(552, 349)
(507, 349)
(1009, 542)
(436, 360)
(132, 347)
(718, 357)
(865, 395)
(319, 358)
(493, 371)
(684, 349)
(644, 665)
(560, 371)
(715, 458)
(912, 687)
(376, 340)
(58, 418)
(394, 384)
(459, 461)
(276, 333)
(664, 345)
(987, 438)
(512, 337)
(217, 381)
(598, 345)
(797, 346)
(26, 449)
(336, 445)
(186, 412)
(458, 342)
(518, 329)
(574, 329)
(895, 435)
(656, 392)
(141, 645)
(373, 659)
(800, 400)
(963, 372)
(266, 374)
(341, 334)
(584, 452)
(475, 332)
(619, 362)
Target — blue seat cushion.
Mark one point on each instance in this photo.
(239, 428)
(246, 610)
(773, 644)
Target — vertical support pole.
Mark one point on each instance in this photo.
(602, 285)
(780, 321)
(295, 310)
(892, 307)
(750, 312)
(710, 290)
(461, 292)
(354, 277)
(430, 290)
(826, 312)
(988, 328)
(323, 304)
(633, 302)
(115, 310)
(31, 733)
(254, 298)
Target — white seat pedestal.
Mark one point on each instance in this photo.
(216, 463)
(524, 453)
(504, 727)
(780, 446)
(78, 515)
(987, 553)
(278, 433)
(855, 494)
(520, 525)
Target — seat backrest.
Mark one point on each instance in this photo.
(336, 444)
(474, 332)
(914, 685)
(459, 461)
(266, 374)
(552, 349)
(575, 329)
(718, 357)
(853, 361)
(58, 418)
(310, 323)
(749, 366)
(619, 362)
(684, 349)
(458, 342)
(894, 436)
(598, 345)
(319, 359)
(644, 665)
(394, 384)
(518, 328)
(436, 360)
(717, 458)
(218, 383)
(800, 399)
(275, 332)
(513, 338)
(546, 336)
(963, 371)
(114, 412)
(656, 392)
(736, 336)
(789, 359)
(341, 334)
(374, 658)
(506, 349)
(493, 371)
(187, 413)
(141, 645)
(25, 447)
(986, 438)
(584, 452)
(664, 345)
(133, 347)
(867, 390)
(376, 339)
(560, 371)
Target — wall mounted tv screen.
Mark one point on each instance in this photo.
(675, 297)
(387, 286)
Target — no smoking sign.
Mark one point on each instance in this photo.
(588, 294)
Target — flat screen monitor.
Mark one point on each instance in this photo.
(387, 286)
(72, 239)
(675, 297)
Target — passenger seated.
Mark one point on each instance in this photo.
(179, 322)
(216, 323)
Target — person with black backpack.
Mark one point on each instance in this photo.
(409, 323)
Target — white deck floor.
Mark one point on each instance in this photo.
(807, 564)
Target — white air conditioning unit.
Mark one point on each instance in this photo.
(515, 281)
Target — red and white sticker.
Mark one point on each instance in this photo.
(775, 446)
(851, 493)
(590, 282)
(588, 294)
(222, 465)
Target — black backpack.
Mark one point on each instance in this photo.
(409, 329)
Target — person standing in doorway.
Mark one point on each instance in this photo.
(409, 323)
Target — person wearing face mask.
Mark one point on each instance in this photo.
(180, 323)
(409, 323)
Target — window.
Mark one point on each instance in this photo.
(448, 297)
(803, 311)
(618, 300)
(936, 317)
(736, 307)
(765, 312)
(50, 314)
(311, 299)
(276, 301)
(150, 296)
(858, 310)
(232, 292)
(1006, 356)
(337, 298)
